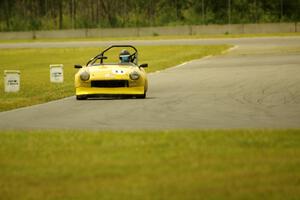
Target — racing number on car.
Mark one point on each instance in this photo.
(118, 71)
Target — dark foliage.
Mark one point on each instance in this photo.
(17, 15)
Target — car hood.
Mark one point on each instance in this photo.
(110, 71)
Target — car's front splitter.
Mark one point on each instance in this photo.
(110, 91)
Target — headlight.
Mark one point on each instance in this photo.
(84, 76)
(134, 76)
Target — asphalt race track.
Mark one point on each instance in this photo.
(255, 85)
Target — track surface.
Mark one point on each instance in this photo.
(256, 85)
(274, 41)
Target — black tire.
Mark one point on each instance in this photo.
(142, 96)
(81, 97)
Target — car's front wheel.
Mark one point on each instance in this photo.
(81, 97)
(142, 96)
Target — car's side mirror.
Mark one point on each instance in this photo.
(144, 65)
(77, 66)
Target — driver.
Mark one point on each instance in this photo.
(124, 56)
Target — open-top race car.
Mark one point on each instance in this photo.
(122, 78)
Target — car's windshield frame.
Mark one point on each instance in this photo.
(101, 57)
(130, 64)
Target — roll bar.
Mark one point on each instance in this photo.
(101, 57)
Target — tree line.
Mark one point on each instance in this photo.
(21, 15)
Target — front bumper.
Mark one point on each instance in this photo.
(89, 91)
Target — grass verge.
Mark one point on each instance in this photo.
(162, 37)
(240, 164)
(34, 66)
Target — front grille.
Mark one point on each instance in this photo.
(109, 83)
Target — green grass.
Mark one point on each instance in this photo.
(240, 164)
(34, 66)
(162, 37)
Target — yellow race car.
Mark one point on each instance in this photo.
(121, 79)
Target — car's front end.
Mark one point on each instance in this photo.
(110, 80)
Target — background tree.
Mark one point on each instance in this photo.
(18, 15)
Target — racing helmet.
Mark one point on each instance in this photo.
(124, 56)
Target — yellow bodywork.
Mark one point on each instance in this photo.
(111, 72)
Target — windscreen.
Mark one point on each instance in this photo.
(113, 56)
